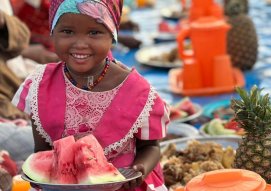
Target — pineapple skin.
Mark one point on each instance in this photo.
(242, 42)
(253, 113)
(254, 154)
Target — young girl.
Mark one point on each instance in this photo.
(89, 93)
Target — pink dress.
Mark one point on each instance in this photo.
(116, 117)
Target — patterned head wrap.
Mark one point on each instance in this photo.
(107, 12)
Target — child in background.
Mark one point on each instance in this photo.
(87, 92)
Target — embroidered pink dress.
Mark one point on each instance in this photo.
(116, 117)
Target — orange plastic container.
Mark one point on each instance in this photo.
(203, 8)
(208, 37)
(18, 184)
(227, 180)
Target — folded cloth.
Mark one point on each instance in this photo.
(18, 141)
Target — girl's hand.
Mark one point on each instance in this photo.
(136, 182)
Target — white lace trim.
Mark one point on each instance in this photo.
(143, 115)
(36, 79)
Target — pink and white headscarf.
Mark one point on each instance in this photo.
(107, 12)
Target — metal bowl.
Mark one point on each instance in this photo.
(128, 173)
(225, 141)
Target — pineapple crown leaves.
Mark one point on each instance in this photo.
(252, 110)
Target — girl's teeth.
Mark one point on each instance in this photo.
(80, 56)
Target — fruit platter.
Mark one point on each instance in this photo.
(184, 158)
(185, 110)
(75, 165)
(220, 127)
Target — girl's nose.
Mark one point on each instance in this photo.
(81, 43)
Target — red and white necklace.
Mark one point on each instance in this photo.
(90, 79)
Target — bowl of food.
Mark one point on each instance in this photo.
(184, 158)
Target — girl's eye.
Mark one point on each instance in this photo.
(94, 32)
(66, 31)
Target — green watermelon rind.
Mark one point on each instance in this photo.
(105, 178)
(31, 173)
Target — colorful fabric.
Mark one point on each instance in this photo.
(35, 15)
(107, 12)
(146, 117)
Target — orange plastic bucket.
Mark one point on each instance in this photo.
(227, 180)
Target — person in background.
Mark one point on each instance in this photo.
(35, 14)
(14, 38)
(88, 93)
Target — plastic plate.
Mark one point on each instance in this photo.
(178, 130)
(198, 113)
(146, 55)
(128, 173)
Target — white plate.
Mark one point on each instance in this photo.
(225, 141)
(204, 134)
(145, 55)
(198, 113)
(172, 13)
(128, 173)
(180, 130)
(183, 129)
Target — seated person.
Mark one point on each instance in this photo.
(14, 37)
(35, 14)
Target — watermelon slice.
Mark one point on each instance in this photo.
(186, 105)
(80, 162)
(91, 163)
(64, 171)
(38, 166)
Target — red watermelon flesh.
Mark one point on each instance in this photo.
(64, 171)
(91, 163)
(186, 105)
(38, 166)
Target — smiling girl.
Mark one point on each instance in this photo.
(88, 93)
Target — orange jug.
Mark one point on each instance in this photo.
(202, 8)
(208, 38)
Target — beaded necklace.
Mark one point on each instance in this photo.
(90, 84)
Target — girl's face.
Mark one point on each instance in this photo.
(81, 42)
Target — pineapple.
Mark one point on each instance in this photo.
(253, 113)
(242, 40)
